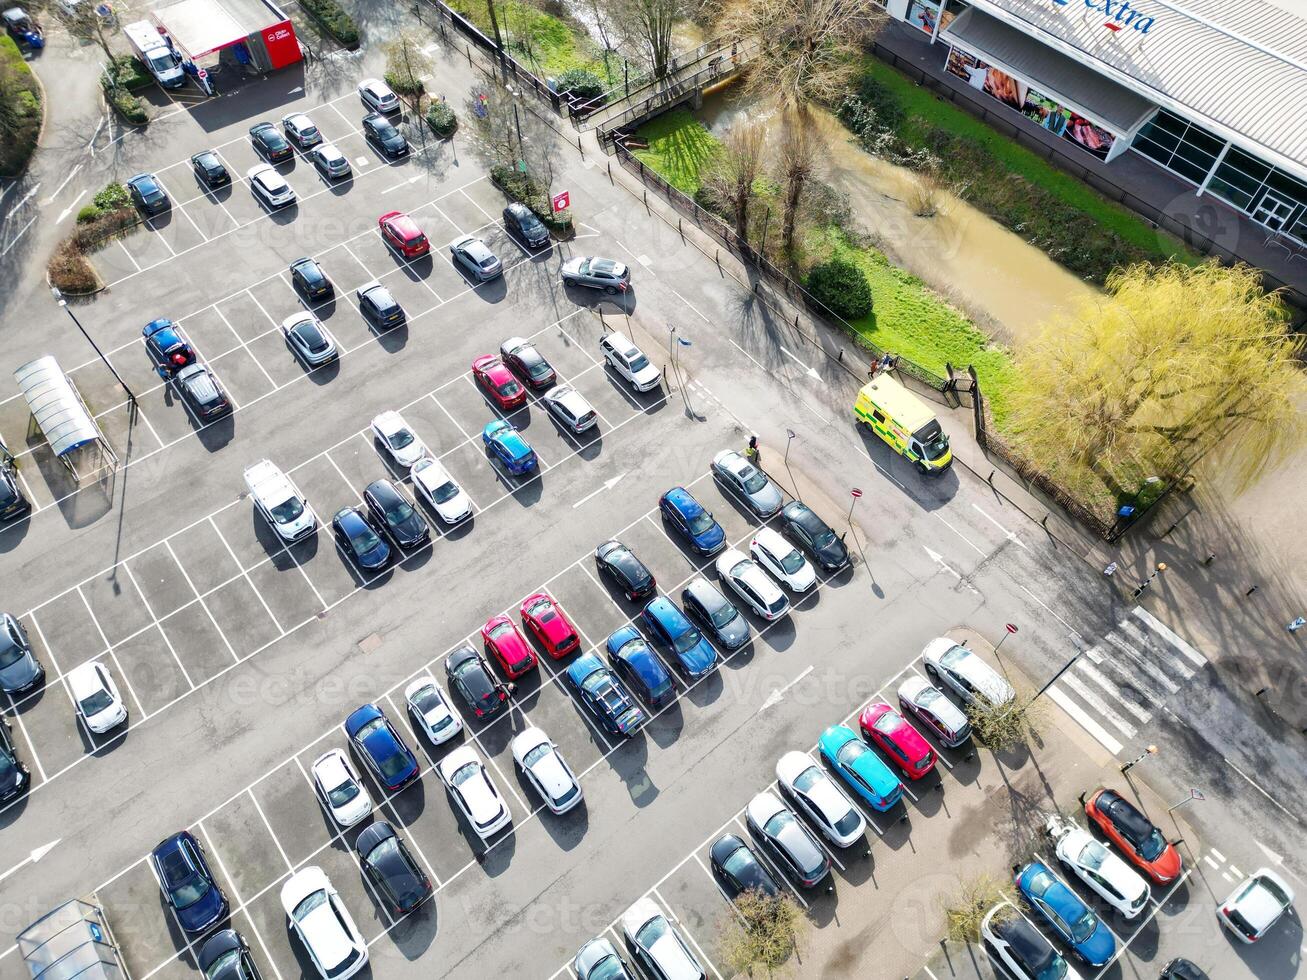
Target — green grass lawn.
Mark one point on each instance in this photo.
(679, 147)
(544, 43)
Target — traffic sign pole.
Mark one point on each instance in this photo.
(1011, 628)
(855, 493)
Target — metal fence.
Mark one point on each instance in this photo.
(647, 82)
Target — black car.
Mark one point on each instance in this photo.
(14, 777)
(527, 363)
(359, 539)
(398, 519)
(201, 392)
(226, 956)
(12, 502)
(716, 615)
(382, 132)
(802, 526)
(618, 564)
(521, 220)
(209, 170)
(269, 143)
(148, 194)
(1182, 969)
(379, 306)
(470, 678)
(187, 882)
(736, 864)
(309, 279)
(390, 867)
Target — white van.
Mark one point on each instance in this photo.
(148, 45)
(279, 501)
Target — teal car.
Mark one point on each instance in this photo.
(860, 767)
(505, 444)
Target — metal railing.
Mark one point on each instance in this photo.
(648, 83)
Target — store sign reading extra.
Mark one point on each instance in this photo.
(1119, 12)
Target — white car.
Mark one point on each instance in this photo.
(474, 792)
(1255, 905)
(820, 799)
(400, 442)
(783, 560)
(270, 187)
(430, 710)
(378, 96)
(748, 581)
(964, 673)
(546, 769)
(629, 361)
(657, 945)
(1020, 947)
(340, 789)
(280, 502)
(441, 491)
(322, 923)
(99, 704)
(1106, 875)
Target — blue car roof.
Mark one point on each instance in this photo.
(513, 442)
(642, 659)
(158, 326)
(683, 501)
(868, 765)
(583, 666)
(360, 717)
(1062, 899)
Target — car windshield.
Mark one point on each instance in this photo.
(752, 480)
(427, 699)
(1055, 970)
(509, 388)
(543, 610)
(446, 492)
(887, 723)
(400, 438)
(1092, 856)
(536, 754)
(398, 511)
(847, 824)
(95, 703)
(823, 539)
(342, 794)
(304, 908)
(1083, 927)
(723, 614)
(954, 657)
(807, 779)
(540, 369)
(638, 363)
(701, 522)
(502, 630)
(792, 562)
(224, 962)
(651, 932)
(688, 640)
(469, 770)
(10, 654)
(189, 891)
(597, 682)
(162, 62)
(288, 510)
(363, 538)
(1152, 846)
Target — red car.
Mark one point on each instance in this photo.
(549, 625)
(1134, 834)
(886, 729)
(403, 234)
(506, 643)
(494, 376)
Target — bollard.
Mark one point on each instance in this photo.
(1211, 556)
(1250, 592)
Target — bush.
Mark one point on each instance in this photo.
(520, 187)
(967, 907)
(70, 271)
(89, 213)
(126, 105)
(841, 287)
(1007, 725)
(113, 196)
(441, 119)
(404, 84)
(20, 108)
(332, 19)
(128, 72)
(580, 83)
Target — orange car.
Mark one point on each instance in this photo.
(1136, 836)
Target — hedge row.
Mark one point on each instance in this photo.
(129, 73)
(333, 20)
(25, 111)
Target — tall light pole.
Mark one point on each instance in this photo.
(789, 438)
(59, 298)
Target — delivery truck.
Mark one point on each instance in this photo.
(159, 60)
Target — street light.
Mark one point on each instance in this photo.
(789, 438)
(59, 298)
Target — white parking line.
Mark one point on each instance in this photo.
(249, 791)
(243, 572)
(203, 605)
(146, 603)
(108, 647)
(129, 255)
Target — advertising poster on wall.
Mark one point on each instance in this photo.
(924, 15)
(1034, 105)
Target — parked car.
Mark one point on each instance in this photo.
(323, 924)
(300, 130)
(470, 678)
(546, 770)
(269, 187)
(430, 710)
(1020, 947)
(309, 280)
(474, 793)
(521, 221)
(505, 642)
(802, 525)
(95, 695)
(167, 346)
(379, 306)
(902, 744)
(397, 438)
(692, 655)
(634, 661)
(358, 538)
(148, 194)
(695, 525)
(625, 572)
(570, 409)
(504, 443)
(527, 362)
(1097, 867)
(748, 581)
(604, 696)
(1071, 919)
(782, 560)
(279, 501)
(599, 960)
(20, 671)
(1181, 969)
(391, 869)
(629, 362)
(14, 776)
(209, 170)
(735, 863)
(789, 843)
(397, 518)
(595, 273)
(375, 740)
(965, 674)
(860, 767)
(1137, 837)
(13, 502)
(202, 393)
(475, 258)
(309, 339)
(187, 883)
(656, 945)
(929, 705)
(340, 789)
(402, 233)
(497, 381)
(816, 795)
(270, 144)
(545, 620)
(381, 133)
(715, 614)
(440, 491)
(226, 956)
(377, 96)
(749, 484)
(1255, 905)
(330, 161)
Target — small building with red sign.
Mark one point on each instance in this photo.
(257, 33)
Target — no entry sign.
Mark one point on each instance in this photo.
(562, 201)
(1011, 627)
(856, 493)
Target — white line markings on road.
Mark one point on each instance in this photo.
(69, 210)
(1010, 535)
(71, 174)
(21, 232)
(607, 485)
(33, 857)
(810, 371)
(1083, 719)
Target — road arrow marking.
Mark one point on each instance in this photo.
(938, 559)
(69, 210)
(1010, 535)
(608, 485)
(32, 858)
(21, 201)
(50, 200)
(777, 694)
(811, 372)
(297, 88)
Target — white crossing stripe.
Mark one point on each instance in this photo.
(1149, 643)
(1094, 674)
(1144, 665)
(1216, 854)
(1083, 719)
(1099, 705)
(1161, 628)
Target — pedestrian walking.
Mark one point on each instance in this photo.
(1110, 569)
(1297, 624)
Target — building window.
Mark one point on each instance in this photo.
(1179, 145)
(1268, 195)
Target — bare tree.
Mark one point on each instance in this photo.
(490, 108)
(762, 932)
(732, 172)
(795, 163)
(407, 65)
(648, 25)
(83, 23)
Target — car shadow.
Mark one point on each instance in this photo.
(323, 373)
(214, 435)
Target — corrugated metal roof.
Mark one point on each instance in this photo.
(1083, 89)
(1238, 67)
(56, 406)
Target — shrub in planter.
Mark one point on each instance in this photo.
(127, 105)
(333, 20)
(128, 72)
(520, 187)
(404, 84)
(441, 119)
(580, 83)
(112, 197)
(71, 271)
(89, 213)
(841, 287)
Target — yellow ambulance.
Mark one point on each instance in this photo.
(905, 423)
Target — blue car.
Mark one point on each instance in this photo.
(694, 655)
(696, 525)
(167, 346)
(377, 743)
(860, 767)
(188, 883)
(360, 540)
(506, 444)
(1062, 909)
(604, 695)
(639, 667)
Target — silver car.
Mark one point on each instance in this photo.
(475, 257)
(748, 482)
(19, 668)
(964, 673)
(307, 336)
(330, 161)
(571, 409)
(378, 96)
(595, 273)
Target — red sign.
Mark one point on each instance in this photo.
(1011, 627)
(282, 46)
(562, 201)
(856, 493)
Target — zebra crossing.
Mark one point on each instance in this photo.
(1116, 686)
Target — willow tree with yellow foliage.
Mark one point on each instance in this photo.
(1176, 365)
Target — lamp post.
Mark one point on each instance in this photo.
(789, 438)
(1151, 750)
(1053, 680)
(59, 298)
